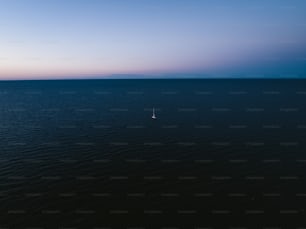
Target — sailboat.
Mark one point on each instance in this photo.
(153, 114)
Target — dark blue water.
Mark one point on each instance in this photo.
(86, 154)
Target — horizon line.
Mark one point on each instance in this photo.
(163, 78)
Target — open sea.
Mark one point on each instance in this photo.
(87, 154)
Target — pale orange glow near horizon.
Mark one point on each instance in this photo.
(70, 68)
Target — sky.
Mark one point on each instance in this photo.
(57, 39)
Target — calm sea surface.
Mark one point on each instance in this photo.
(86, 154)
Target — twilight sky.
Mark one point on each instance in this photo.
(96, 38)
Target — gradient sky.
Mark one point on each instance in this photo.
(96, 38)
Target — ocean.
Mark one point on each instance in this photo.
(223, 153)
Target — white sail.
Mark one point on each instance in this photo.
(153, 114)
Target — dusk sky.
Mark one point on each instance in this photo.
(96, 38)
